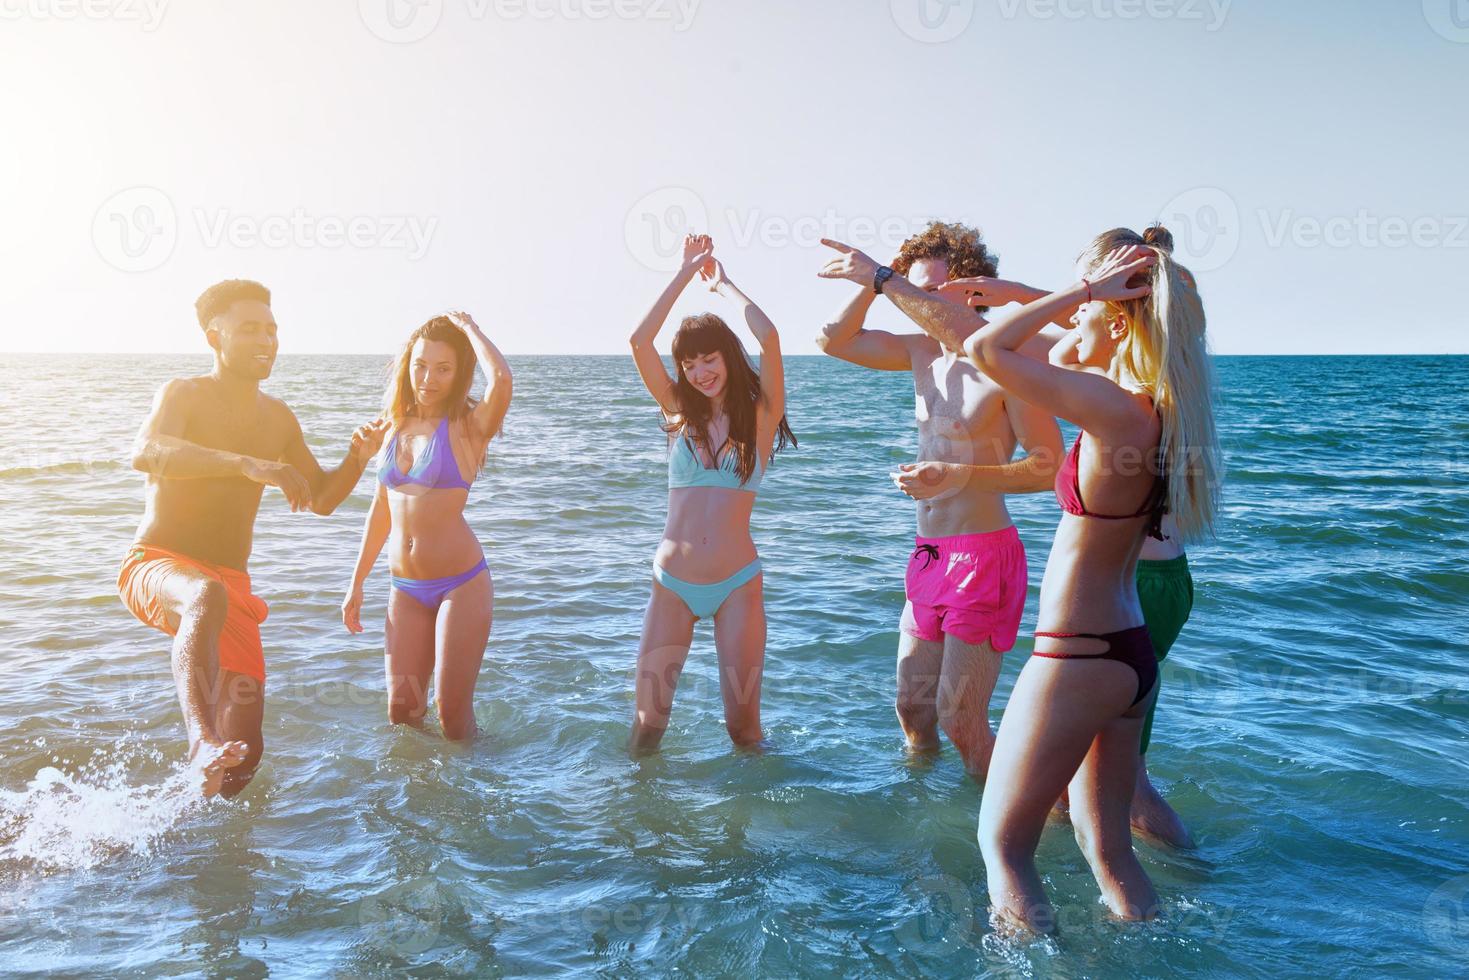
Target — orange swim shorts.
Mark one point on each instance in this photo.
(140, 584)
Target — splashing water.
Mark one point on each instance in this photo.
(63, 821)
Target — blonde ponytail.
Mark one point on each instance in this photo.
(1166, 352)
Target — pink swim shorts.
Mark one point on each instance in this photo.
(971, 586)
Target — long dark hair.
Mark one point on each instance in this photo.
(705, 334)
(400, 401)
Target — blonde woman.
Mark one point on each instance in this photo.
(1140, 387)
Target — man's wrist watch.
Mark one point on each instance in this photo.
(884, 273)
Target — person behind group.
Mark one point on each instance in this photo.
(441, 602)
(210, 446)
(1141, 391)
(724, 421)
(966, 578)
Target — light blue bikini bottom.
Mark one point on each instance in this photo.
(703, 599)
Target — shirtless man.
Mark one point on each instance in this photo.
(966, 579)
(210, 447)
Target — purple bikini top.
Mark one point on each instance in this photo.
(435, 468)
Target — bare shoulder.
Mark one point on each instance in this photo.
(1148, 426)
(182, 389)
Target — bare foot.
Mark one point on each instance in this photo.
(209, 761)
(1153, 817)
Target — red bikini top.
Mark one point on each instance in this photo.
(1068, 495)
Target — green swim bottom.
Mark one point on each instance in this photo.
(1166, 591)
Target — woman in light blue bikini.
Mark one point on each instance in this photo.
(725, 421)
(439, 609)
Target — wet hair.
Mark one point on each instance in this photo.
(1166, 351)
(400, 401)
(961, 246)
(704, 334)
(217, 298)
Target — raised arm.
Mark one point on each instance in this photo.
(772, 368)
(945, 321)
(987, 291)
(489, 414)
(330, 487)
(160, 450)
(1090, 400)
(847, 339)
(697, 250)
(374, 535)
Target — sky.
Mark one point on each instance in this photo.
(375, 162)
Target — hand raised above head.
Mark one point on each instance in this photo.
(697, 252)
(1123, 274)
(849, 263)
(461, 320)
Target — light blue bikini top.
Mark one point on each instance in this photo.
(686, 470)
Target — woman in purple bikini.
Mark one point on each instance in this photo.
(439, 609)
